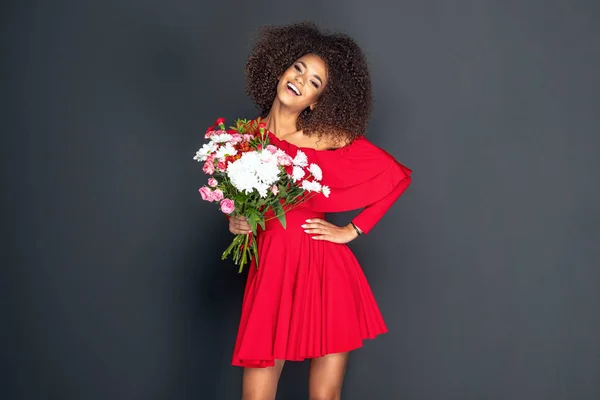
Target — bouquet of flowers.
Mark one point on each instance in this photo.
(248, 176)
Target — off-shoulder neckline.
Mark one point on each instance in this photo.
(310, 148)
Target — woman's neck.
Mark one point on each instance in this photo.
(280, 121)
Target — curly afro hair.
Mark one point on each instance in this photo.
(344, 107)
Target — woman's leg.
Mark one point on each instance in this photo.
(261, 383)
(327, 376)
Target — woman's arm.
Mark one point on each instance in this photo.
(372, 213)
(320, 229)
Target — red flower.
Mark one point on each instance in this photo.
(220, 121)
(262, 125)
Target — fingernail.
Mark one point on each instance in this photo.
(303, 226)
(308, 220)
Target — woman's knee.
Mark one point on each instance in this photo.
(261, 383)
(325, 395)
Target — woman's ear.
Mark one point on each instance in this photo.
(312, 106)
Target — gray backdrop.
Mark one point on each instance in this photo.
(486, 270)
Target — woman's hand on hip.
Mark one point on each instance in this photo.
(323, 230)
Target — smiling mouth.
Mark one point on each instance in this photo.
(294, 89)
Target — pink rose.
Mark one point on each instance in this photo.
(227, 206)
(236, 138)
(271, 149)
(206, 193)
(212, 182)
(275, 190)
(209, 167)
(222, 165)
(248, 137)
(218, 195)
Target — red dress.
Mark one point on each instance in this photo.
(310, 297)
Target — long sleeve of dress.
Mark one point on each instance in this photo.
(360, 176)
(372, 213)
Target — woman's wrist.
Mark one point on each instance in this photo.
(355, 229)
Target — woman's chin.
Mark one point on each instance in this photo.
(290, 103)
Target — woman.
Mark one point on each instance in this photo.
(310, 298)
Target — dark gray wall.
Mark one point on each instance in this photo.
(486, 269)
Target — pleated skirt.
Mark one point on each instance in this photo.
(308, 298)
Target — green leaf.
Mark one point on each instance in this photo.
(280, 214)
(283, 191)
(261, 222)
(255, 250)
(252, 221)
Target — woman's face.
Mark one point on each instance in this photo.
(302, 83)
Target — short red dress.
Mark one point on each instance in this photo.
(310, 297)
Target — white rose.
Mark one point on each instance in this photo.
(300, 160)
(221, 138)
(316, 171)
(297, 173)
(313, 186)
(224, 151)
(205, 151)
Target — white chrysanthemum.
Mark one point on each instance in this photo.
(326, 191)
(268, 172)
(221, 138)
(243, 178)
(301, 160)
(262, 189)
(251, 160)
(316, 171)
(224, 151)
(313, 186)
(253, 171)
(205, 151)
(266, 156)
(297, 173)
